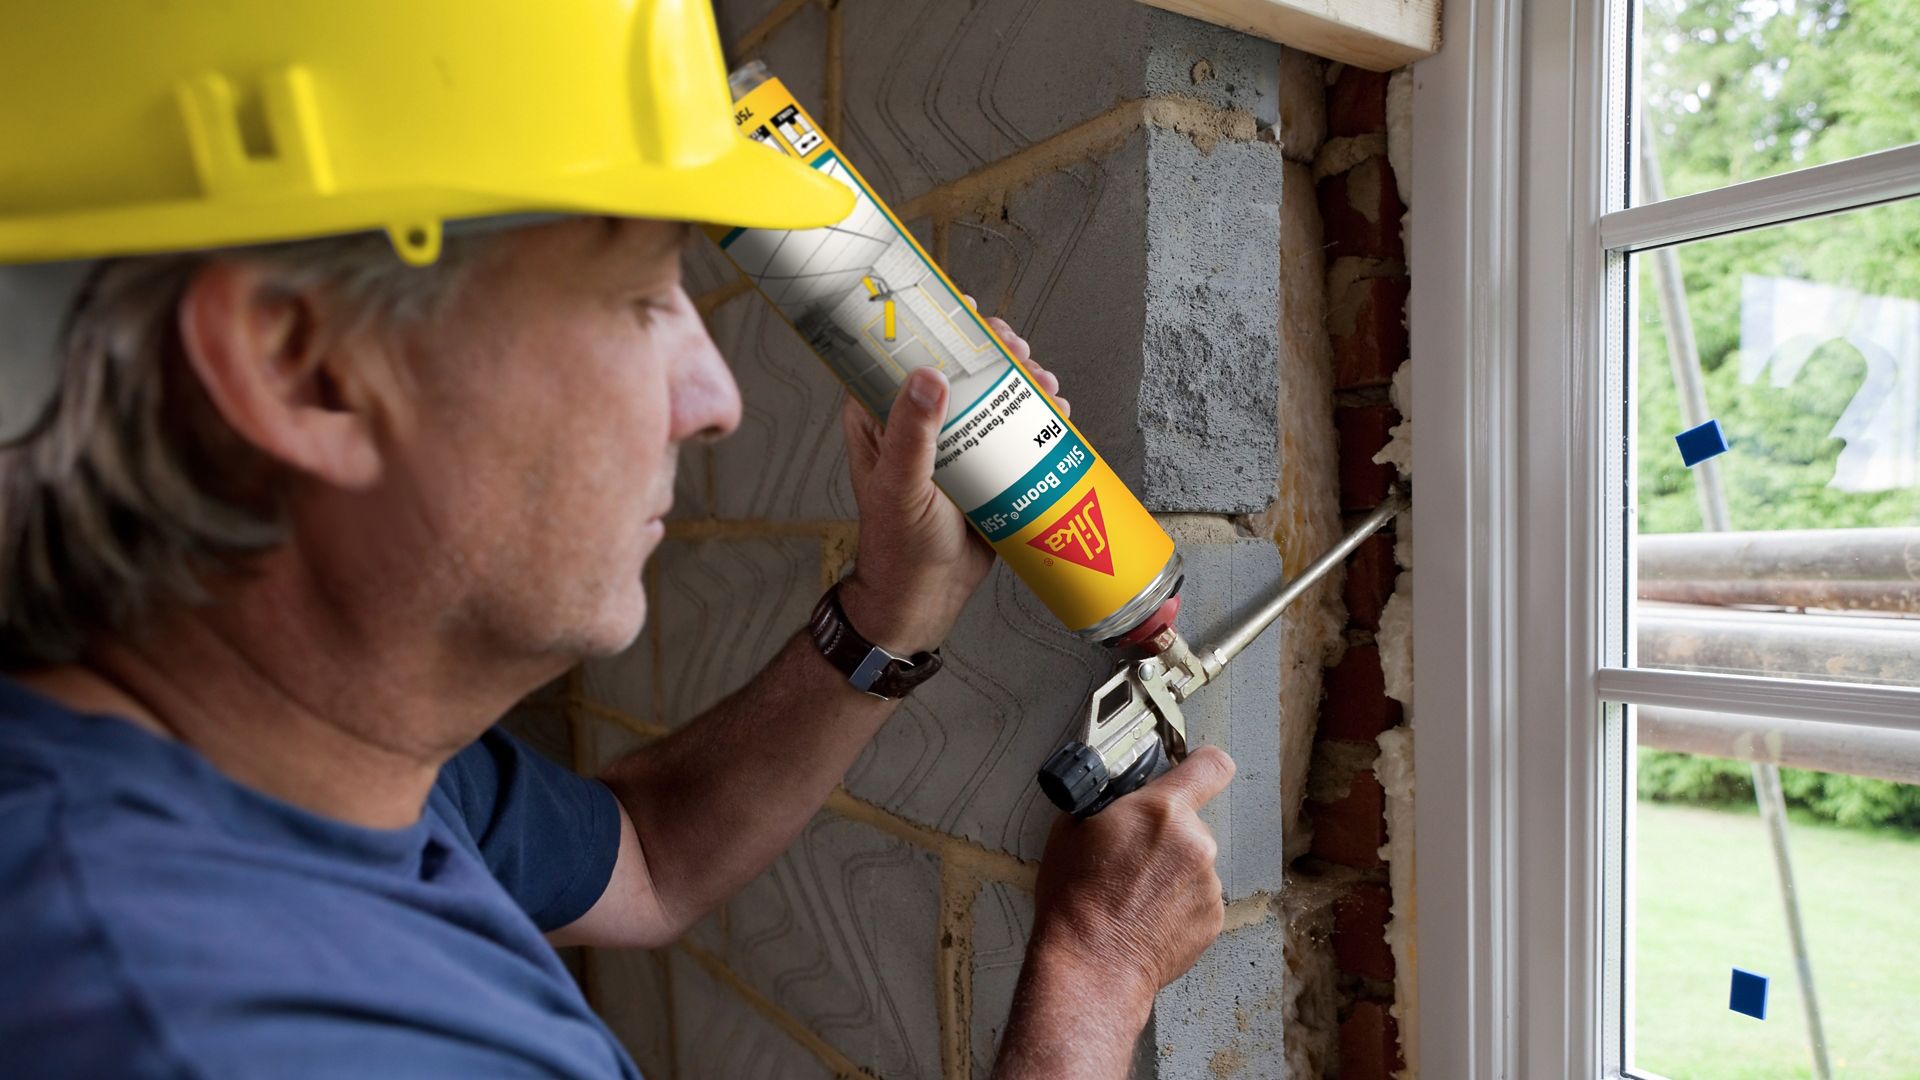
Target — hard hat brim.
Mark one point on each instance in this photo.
(753, 186)
(749, 185)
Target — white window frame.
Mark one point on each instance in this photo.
(1508, 319)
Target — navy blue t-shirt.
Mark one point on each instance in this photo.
(159, 920)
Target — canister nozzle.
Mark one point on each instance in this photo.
(1150, 638)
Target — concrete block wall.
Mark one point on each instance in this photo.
(1137, 192)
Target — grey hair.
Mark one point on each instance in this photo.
(131, 489)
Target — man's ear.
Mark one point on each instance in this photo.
(281, 382)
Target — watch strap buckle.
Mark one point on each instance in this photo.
(870, 669)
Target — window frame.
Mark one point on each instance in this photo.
(1518, 505)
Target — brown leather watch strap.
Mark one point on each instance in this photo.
(870, 668)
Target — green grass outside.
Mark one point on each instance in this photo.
(1708, 902)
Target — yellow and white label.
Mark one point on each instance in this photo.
(874, 307)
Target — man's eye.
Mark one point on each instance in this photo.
(647, 308)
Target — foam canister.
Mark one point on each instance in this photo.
(873, 306)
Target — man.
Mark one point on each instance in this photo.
(304, 506)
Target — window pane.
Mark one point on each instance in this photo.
(1708, 898)
(1733, 90)
(1796, 553)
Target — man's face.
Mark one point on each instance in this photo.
(549, 402)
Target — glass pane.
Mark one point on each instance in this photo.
(1711, 882)
(1733, 90)
(1796, 553)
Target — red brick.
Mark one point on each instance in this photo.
(1377, 343)
(1360, 211)
(1357, 707)
(1369, 1043)
(1349, 831)
(1370, 575)
(1360, 932)
(1363, 431)
(1357, 103)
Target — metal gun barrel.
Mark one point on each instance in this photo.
(1254, 623)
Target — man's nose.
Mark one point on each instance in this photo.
(705, 399)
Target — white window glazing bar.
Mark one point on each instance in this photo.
(1809, 192)
(1785, 699)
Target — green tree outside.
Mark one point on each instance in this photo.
(1735, 90)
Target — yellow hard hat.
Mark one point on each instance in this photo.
(130, 127)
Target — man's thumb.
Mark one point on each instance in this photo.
(1198, 779)
(913, 426)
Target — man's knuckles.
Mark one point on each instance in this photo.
(1155, 806)
(1206, 847)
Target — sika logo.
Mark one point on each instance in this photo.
(1080, 536)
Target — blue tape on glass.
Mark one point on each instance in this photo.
(1699, 444)
(1749, 994)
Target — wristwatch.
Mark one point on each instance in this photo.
(869, 668)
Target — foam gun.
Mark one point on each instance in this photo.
(1131, 727)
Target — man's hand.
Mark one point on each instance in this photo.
(918, 559)
(1127, 900)
(1133, 890)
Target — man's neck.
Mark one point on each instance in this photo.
(290, 702)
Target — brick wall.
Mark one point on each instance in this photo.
(1361, 211)
(1141, 195)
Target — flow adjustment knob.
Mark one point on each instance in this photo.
(1072, 778)
(1076, 779)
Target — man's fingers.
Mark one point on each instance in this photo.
(1023, 351)
(1015, 344)
(913, 426)
(1195, 781)
(1048, 380)
(1050, 384)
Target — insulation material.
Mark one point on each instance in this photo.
(1395, 640)
(1395, 764)
(1400, 131)
(1312, 988)
(1394, 767)
(1305, 519)
(1346, 153)
(1399, 449)
(1400, 150)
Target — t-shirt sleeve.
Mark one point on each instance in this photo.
(548, 834)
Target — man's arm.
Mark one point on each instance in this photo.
(711, 805)
(1069, 1021)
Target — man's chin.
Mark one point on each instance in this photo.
(608, 629)
(614, 636)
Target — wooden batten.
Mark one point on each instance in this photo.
(1378, 35)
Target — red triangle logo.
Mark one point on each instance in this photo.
(1079, 536)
